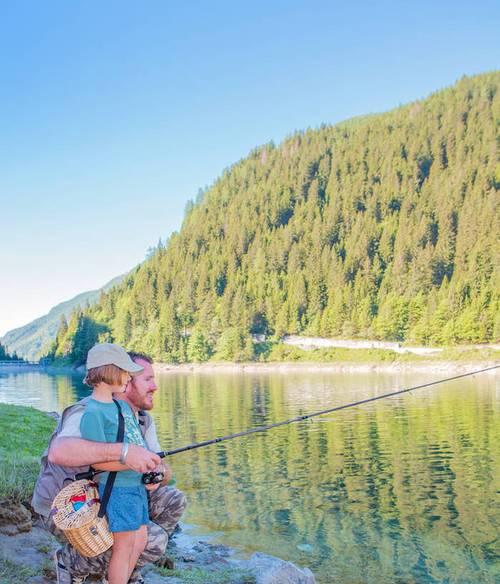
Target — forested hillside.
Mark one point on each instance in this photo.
(381, 227)
(31, 340)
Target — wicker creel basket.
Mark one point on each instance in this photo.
(74, 511)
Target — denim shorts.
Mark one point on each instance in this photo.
(127, 508)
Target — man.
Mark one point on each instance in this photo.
(69, 454)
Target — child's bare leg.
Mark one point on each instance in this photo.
(141, 539)
(123, 547)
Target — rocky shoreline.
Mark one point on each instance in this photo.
(27, 550)
(436, 365)
(338, 367)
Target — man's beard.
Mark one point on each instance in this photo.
(138, 401)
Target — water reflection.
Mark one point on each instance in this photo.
(401, 490)
(48, 393)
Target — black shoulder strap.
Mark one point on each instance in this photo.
(112, 475)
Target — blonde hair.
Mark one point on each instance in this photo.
(110, 374)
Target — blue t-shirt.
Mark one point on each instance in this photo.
(99, 423)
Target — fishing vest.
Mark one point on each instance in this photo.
(53, 477)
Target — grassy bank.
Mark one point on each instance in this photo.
(281, 353)
(24, 434)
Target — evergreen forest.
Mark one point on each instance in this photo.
(381, 227)
(5, 355)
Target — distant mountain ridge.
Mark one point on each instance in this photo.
(31, 339)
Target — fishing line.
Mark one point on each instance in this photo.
(166, 453)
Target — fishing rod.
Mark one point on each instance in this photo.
(154, 477)
(166, 453)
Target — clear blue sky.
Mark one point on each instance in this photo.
(113, 114)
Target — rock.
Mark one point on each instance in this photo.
(153, 578)
(221, 550)
(14, 518)
(215, 560)
(271, 570)
(33, 550)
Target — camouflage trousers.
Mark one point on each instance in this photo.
(166, 506)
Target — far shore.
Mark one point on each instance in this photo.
(445, 366)
(342, 359)
(285, 367)
(44, 368)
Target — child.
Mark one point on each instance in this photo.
(108, 371)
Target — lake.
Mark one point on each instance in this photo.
(403, 490)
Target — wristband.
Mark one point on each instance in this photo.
(124, 452)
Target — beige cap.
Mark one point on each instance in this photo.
(110, 354)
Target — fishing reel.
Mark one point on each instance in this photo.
(153, 477)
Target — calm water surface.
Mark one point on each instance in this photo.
(403, 491)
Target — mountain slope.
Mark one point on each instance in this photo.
(380, 227)
(29, 340)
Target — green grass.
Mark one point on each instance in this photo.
(291, 354)
(24, 435)
(201, 576)
(43, 548)
(469, 355)
(11, 572)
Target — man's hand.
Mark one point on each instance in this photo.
(167, 475)
(141, 459)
